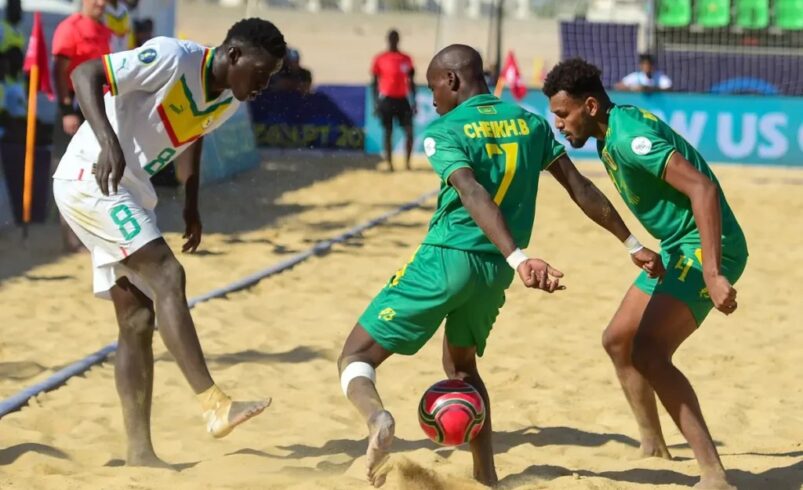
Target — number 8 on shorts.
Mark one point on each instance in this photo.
(125, 221)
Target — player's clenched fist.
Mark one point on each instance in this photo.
(722, 294)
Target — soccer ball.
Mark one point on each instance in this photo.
(451, 412)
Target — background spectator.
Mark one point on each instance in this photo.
(292, 77)
(393, 73)
(78, 38)
(143, 30)
(118, 20)
(646, 79)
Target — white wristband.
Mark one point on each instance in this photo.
(633, 245)
(515, 259)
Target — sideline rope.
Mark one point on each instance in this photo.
(60, 377)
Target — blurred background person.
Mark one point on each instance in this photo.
(118, 20)
(80, 37)
(143, 30)
(646, 79)
(292, 77)
(393, 88)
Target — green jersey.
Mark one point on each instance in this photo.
(635, 152)
(507, 148)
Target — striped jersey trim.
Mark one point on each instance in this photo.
(110, 78)
(206, 72)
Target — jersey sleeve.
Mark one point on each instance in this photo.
(444, 153)
(550, 149)
(146, 68)
(64, 41)
(646, 150)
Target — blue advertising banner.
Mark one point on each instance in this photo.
(331, 118)
(725, 129)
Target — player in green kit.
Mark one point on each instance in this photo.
(675, 195)
(489, 155)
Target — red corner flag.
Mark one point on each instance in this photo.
(511, 76)
(36, 55)
(36, 65)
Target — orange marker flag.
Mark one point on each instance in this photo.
(37, 66)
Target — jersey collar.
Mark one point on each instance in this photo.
(206, 74)
(480, 99)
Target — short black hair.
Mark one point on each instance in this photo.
(646, 57)
(577, 77)
(258, 33)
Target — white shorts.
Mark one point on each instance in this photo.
(111, 227)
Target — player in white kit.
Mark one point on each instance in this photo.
(162, 98)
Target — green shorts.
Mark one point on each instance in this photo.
(684, 275)
(466, 288)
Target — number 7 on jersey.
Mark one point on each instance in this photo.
(511, 154)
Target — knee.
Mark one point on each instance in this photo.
(171, 275)
(136, 322)
(345, 359)
(616, 344)
(648, 356)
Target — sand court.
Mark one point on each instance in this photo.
(561, 419)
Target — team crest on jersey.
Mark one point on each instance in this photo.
(640, 145)
(147, 56)
(429, 146)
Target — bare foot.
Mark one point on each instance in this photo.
(381, 427)
(714, 483)
(147, 459)
(650, 450)
(221, 421)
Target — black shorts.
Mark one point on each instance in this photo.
(391, 107)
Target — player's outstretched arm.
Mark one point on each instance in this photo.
(88, 80)
(704, 196)
(535, 273)
(596, 206)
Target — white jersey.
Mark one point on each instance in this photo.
(158, 103)
(639, 79)
(118, 20)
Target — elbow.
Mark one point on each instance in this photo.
(88, 74)
(705, 190)
(78, 77)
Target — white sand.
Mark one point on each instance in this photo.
(562, 421)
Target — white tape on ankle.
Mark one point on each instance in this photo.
(356, 370)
